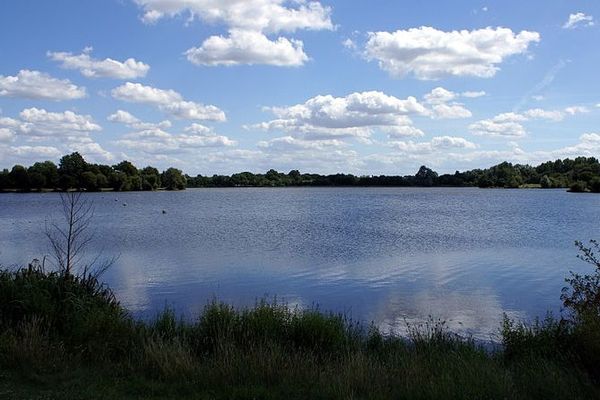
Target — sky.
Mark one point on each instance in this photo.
(363, 87)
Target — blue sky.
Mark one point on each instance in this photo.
(366, 87)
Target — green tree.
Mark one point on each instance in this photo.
(73, 165)
(128, 168)
(173, 179)
(101, 180)
(545, 182)
(595, 185)
(89, 181)
(425, 177)
(19, 177)
(49, 170)
(37, 180)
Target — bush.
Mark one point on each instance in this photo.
(595, 185)
(578, 187)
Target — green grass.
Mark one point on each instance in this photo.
(68, 338)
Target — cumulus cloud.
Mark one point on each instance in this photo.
(355, 115)
(34, 152)
(578, 20)
(428, 53)
(168, 101)
(473, 94)
(497, 127)
(248, 47)
(107, 68)
(443, 106)
(152, 138)
(287, 143)
(436, 144)
(39, 86)
(510, 124)
(91, 151)
(131, 121)
(6, 135)
(258, 15)
(36, 123)
(249, 23)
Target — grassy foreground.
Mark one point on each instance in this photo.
(67, 337)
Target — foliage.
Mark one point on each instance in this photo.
(582, 296)
(579, 174)
(556, 174)
(73, 172)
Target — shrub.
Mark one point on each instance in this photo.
(578, 187)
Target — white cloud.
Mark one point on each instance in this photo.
(91, 151)
(451, 111)
(248, 23)
(576, 110)
(436, 144)
(34, 152)
(39, 86)
(37, 123)
(269, 16)
(442, 105)
(355, 115)
(123, 117)
(128, 119)
(439, 95)
(579, 20)
(168, 101)
(6, 135)
(402, 131)
(349, 44)
(473, 94)
(152, 138)
(538, 113)
(495, 127)
(248, 47)
(428, 53)
(107, 68)
(510, 124)
(287, 143)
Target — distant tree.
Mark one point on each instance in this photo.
(49, 170)
(578, 187)
(150, 178)
(173, 179)
(425, 177)
(89, 181)
(37, 180)
(67, 182)
(595, 185)
(545, 182)
(5, 179)
(101, 180)
(128, 168)
(73, 165)
(135, 182)
(19, 177)
(119, 181)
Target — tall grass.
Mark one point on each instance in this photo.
(68, 337)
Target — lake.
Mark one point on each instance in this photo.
(388, 255)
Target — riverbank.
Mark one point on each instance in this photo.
(68, 337)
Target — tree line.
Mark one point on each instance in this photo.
(579, 174)
(74, 173)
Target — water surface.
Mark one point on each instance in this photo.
(388, 255)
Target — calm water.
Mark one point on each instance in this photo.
(387, 255)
